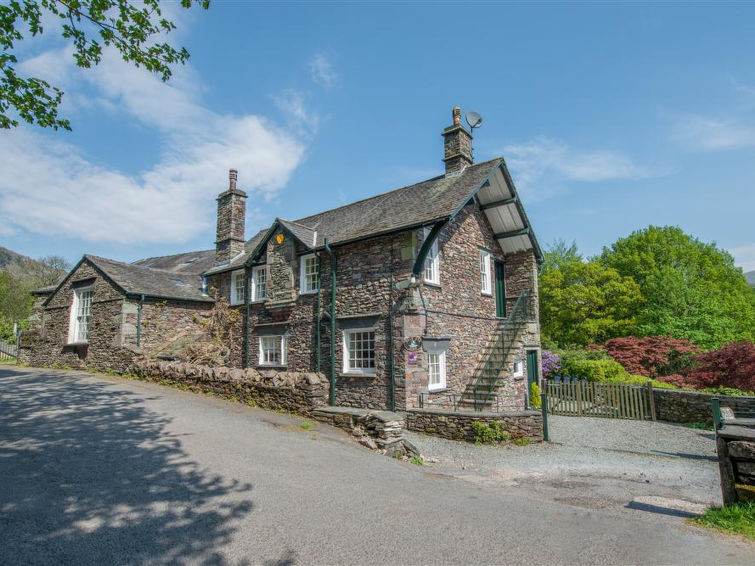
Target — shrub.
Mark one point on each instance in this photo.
(550, 363)
(485, 433)
(596, 370)
(535, 395)
(652, 356)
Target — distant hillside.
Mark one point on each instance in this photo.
(750, 276)
(41, 272)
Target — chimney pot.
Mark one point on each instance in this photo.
(233, 175)
(457, 145)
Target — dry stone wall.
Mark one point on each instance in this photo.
(295, 392)
(457, 425)
(693, 407)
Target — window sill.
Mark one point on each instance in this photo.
(486, 293)
(313, 292)
(432, 284)
(258, 301)
(356, 374)
(438, 390)
(270, 366)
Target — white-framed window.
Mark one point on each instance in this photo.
(309, 274)
(359, 350)
(259, 283)
(237, 287)
(274, 350)
(487, 288)
(81, 311)
(432, 262)
(519, 368)
(436, 369)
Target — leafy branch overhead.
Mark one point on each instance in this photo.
(135, 30)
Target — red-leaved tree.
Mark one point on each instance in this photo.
(652, 356)
(732, 365)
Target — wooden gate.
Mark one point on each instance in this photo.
(8, 351)
(594, 399)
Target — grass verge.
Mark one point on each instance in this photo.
(738, 518)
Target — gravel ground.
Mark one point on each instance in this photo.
(594, 463)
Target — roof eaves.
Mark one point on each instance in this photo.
(523, 214)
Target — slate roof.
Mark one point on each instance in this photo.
(189, 262)
(155, 283)
(407, 207)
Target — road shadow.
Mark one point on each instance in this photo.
(89, 475)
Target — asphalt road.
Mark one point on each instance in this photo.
(97, 470)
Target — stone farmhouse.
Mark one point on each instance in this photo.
(424, 295)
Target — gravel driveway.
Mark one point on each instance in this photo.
(595, 463)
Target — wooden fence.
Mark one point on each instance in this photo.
(8, 351)
(594, 399)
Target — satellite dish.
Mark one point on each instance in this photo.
(473, 119)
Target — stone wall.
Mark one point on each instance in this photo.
(736, 462)
(693, 407)
(363, 298)
(458, 309)
(457, 425)
(112, 326)
(105, 348)
(377, 430)
(295, 392)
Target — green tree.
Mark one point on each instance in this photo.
(691, 289)
(134, 29)
(559, 253)
(15, 303)
(586, 302)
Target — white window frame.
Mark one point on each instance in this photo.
(432, 262)
(258, 297)
(347, 352)
(235, 299)
(518, 368)
(304, 288)
(78, 333)
(281, 342)
(486, 284)
(441, 365)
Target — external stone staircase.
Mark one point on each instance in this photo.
(484, 387)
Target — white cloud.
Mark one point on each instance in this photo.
(291, 103)
(545, 165)
(48, 186)
(744, 256)
(703, 133)
(322, 71)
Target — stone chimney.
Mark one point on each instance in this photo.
(457, 145)
(229, 239)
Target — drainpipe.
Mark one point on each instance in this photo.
(247, 309)
(390, 346)
(332, 396)
(318, 319)
(139, 322)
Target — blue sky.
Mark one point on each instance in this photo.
(610, 118)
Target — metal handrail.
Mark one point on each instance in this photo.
(521, 313)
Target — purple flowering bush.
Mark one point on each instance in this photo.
(550, 363)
